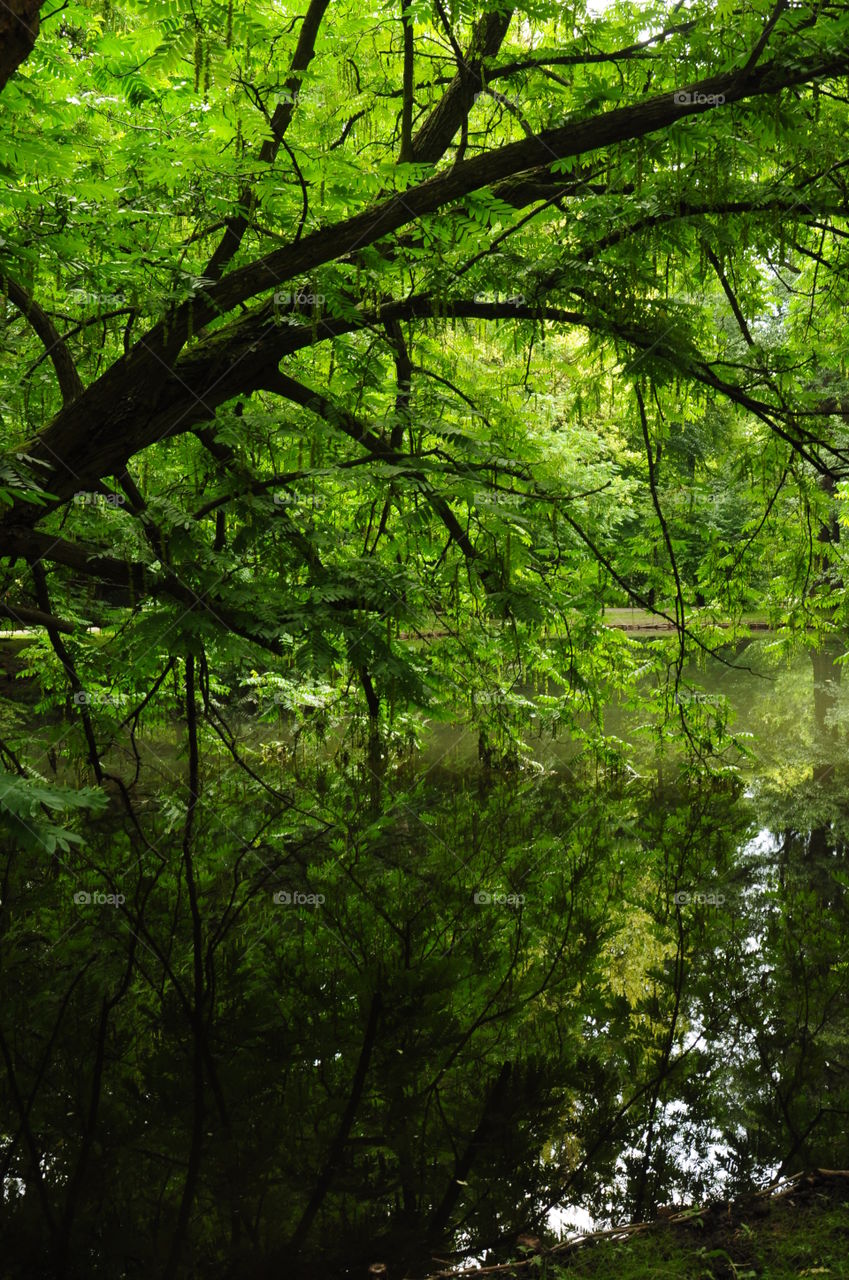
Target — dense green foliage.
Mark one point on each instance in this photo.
(601, 365)
(353, 363)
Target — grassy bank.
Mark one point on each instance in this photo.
(800, 1229)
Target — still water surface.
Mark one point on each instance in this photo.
(527, 999)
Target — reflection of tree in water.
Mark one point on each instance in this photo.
(759, 1078)
(788, 1086)
(404, 1071)
(827, 672)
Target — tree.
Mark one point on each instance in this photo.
(350, 267)
(18, 32)
(328, 334)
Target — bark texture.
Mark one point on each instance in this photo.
(18, 30)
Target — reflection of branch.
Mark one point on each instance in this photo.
(665, 1059)
(442, 1214)
(11, 1144)
(36, 1156)
(198, 984)
(39, 578)
(340, 1138)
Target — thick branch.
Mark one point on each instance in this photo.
(18, 30)
(249, 349)
(137, 385)
(569, 140)
(436, 134)
(35, 618)
(463, 1165)
(55, 346)
(406, 153)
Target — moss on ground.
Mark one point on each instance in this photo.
(802, 1231)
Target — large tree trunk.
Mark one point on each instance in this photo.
(18, 29)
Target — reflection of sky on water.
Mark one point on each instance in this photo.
(714, 1162)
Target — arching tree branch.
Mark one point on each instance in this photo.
(55, 346)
